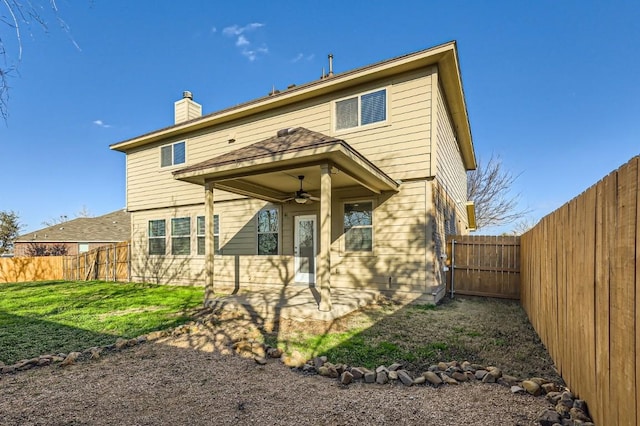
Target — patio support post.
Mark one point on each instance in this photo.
(209, 247)
(325, 238)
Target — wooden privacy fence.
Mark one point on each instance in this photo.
(108, 263)
(24, 269)
(484, 265)
(580, 272)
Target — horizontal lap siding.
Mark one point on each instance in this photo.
(401, 147)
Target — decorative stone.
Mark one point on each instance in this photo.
(508, 380)
(70, 359)
(121, 343)
(532, 387)
(480, 374)
(549, 387)
(489, 378)
(395, 366)
(369, 377)
(466, 366)
(580, 404)
(549, 418)
(517, 389)
(393, 375)
(418, 380)
(357, 373)
(8, 369)
(578, 414)
(461, 377)
(155, 335)
(346, 378)
(274, 353)
(566, 399)
(318, 362)
(260, 360)
(442, 366)
(381, 369)
(448, 380)
(432, 378)
(563, 410)
(405, 378)
(382, 377)
(553, 397)
(539, 380)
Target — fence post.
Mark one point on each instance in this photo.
(453, 263)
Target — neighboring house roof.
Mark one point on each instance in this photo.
(111, 227)
(444, 56)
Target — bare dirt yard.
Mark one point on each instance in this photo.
(197, 379)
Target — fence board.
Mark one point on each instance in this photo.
(485, 265)
(108, 263)
(25, 269)
(579, 277)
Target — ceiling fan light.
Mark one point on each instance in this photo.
(301, 200)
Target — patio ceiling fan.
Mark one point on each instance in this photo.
(302, 196)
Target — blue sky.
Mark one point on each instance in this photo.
(552, 87)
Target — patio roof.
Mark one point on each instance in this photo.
(269, 169)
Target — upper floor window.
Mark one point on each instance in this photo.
(173, 154)
(83, 247)
(268, 231)
(181, 235)
(157, 234)
(201, 231)
(361, 110)
(358, 226)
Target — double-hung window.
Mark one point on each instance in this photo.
(361, 110)
(202, 232)
(358, 226)
(157, 234)
(173, 154)
(181, 236)
(268, 231)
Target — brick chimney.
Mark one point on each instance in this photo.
(186, 109)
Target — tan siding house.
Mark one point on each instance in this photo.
(351, 181)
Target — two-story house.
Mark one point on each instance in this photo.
(350, 181)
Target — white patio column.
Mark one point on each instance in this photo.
(325, 238)
(209, 245)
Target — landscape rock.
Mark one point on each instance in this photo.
(517, 389)
(489, 378)
(532, 387)
(70, 359)
(260, 360)
(578, 414)
(432, 378)
(553, 397)
(369, 376)
(395, 366)
(393, 375)
(461, 377)
(549, 418)
(295, 360)
(405, 378)
(382, 377)
(121, 343)
(274, 352)
(549, 387)
(563, 410)
(346, 378)
(480, 374)
(357, 373)
(418, 380)
(508, 380)
(442, 366)
(448, 380)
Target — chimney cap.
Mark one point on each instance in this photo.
(187, 95)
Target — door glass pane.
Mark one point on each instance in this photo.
(305, 246)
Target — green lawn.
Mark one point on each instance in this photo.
(63, 316)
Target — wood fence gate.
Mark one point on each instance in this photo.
(484, 265)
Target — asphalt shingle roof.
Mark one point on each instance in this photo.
(111, 227)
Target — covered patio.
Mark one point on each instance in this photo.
(295, 166)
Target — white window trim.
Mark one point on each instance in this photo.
(205, 233)
(385, 122)
(279, 239)
(172, 165)
(171, 236)
(149, 237)
(343, 245)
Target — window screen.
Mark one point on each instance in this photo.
(181, 236)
